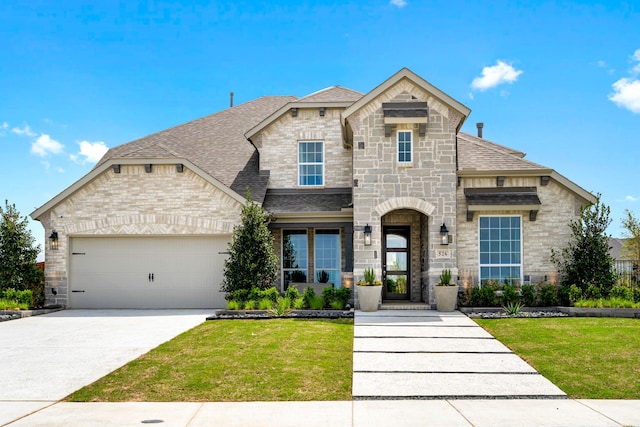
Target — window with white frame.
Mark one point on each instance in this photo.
(310, 163)
(294, 257)
(328, 255)
(405, 146)
(500, 249)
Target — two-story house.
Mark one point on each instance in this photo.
(384, 179)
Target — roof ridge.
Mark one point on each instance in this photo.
(492, 146)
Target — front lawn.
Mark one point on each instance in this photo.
(588, 358)
(238, 360)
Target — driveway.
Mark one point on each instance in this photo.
(45, 358)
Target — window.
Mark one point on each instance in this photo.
(294, 257)
(404, 147)
(500, 249)
(310, 163)
(328, 255)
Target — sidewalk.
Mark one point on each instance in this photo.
(401, 413)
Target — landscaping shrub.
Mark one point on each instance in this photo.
(234, 305)
(621, 292)
(308, 295)
(484, 296)
(292, 293)
(510, 295)
(592, 292)
(547, 295)
(23, 298)
(328, 296)
(528, 295)
(575, 293)
(316, 303)
(343, 295)
(636, 294)
(265, 304)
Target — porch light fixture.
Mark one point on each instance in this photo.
(367, 235)
(179, 167)
(444, 234)
(53, 241)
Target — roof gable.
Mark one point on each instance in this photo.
(405, 73)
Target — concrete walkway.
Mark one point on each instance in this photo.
(425, 349)
(425, 354)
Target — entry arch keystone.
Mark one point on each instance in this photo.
(405, 203)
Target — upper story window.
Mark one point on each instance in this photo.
(310, 163)
(500, 249)
(405, 147)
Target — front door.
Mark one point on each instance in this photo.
(395, 262)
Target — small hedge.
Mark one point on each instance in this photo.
(270, 299)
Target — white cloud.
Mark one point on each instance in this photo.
(398, 3)
(626, 91)
(5, 125)
(496, 75)
(626, 94)
(631, 199)
(46, 145)
(59, 170)
(26, 131)
(89, 152)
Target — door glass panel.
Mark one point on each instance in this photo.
(397, 283)
(396, 261)
(395, 241)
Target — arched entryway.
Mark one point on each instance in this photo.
(404, 254)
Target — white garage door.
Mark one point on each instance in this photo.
(147, 272)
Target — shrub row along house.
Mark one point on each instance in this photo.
(384, 179)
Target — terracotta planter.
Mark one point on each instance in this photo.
(446, 297)
(369, 297)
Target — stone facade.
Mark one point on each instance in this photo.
(427, 185)
(279, 148)
(549, 231)
(133, 202)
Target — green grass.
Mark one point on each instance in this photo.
(238, 360)
(588, 358)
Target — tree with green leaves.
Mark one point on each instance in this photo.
(18, 253)
(252, 261)
(586, 259)
(631, 247)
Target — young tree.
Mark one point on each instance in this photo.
(631, 248)
(586, 260)
(18, 252)
(252, 261)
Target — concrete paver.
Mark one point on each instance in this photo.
(420, 331)
(440, 362)
(407, 413)
(429, 345)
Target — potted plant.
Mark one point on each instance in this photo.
(369, 291)
(446, 293)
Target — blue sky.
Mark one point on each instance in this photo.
(557, 80)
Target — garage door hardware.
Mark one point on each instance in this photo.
(78, 253)
(78, 291)
(151, 277)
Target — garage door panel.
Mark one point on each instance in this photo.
(113, 272)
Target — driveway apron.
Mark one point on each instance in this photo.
(424, 354)
(45, 358)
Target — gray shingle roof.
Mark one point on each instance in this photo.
(324, 200)
(215, 143)
(477, 154)
(333, 94)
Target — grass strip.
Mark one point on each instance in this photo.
(238, 360)
(588, 358)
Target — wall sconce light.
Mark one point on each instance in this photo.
(367, 235)
(322, 111)
(500, 181)
(444, 234)
(180, 168)
(53, 241)
(294, 112)
(116, 168)
(147, 167)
